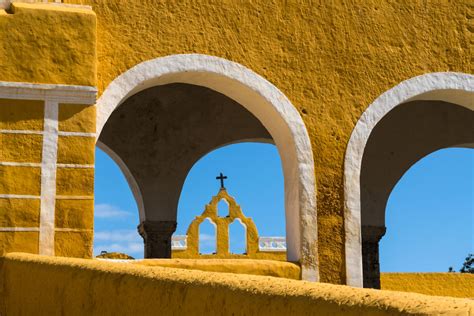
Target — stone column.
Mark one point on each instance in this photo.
(371, 236)
(157, 238)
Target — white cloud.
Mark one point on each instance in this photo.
(207, 237)
(120, 235)
(105, 210)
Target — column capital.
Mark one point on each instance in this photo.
(160, 227)
(373, 233)
(157, 237)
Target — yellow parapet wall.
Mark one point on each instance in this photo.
(239, 266)
(441, 284)
(37, 285)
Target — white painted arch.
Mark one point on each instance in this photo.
(269, 105)
(457, 88)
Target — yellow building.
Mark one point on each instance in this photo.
(329, 83)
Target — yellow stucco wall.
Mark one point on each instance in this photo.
(32, 285)
(75, 182)
(21, 147)
(76, 150)
(73, 244)
(30, 180)
(21, 114)
(77, 118)
(18, 241)
(71, 213)
(331, 60)
(44, 43)
(442, 284)
(19, 212)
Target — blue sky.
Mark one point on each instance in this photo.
(430, 216)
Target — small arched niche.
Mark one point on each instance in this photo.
(207, 237)
(223, 208)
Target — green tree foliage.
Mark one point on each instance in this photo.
(468, 265)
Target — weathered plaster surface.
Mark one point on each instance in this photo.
(59, 46)
(21, 114)
(439, 284)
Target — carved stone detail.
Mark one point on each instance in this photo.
(157, 238)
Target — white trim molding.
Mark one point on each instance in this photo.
(20, 164)
(19, 196)
(272, 244)
(77, 134)
(74, 197)
(179, 242)
(60, 93)
(269, 105)
(19, 229)
(52, 95)
(48, 178)
(12, 131)
(450, 87)
(73, 165)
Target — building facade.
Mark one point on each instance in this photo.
(351, 94)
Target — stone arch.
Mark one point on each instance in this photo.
(269, 105)
(450, 88)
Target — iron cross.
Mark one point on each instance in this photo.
(221, 177)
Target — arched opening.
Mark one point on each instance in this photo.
(412, 120)
(237, 237)
(223, 208)
(163, 115)
(429, 214)
(207, 237)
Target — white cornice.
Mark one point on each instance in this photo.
(53, 92)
